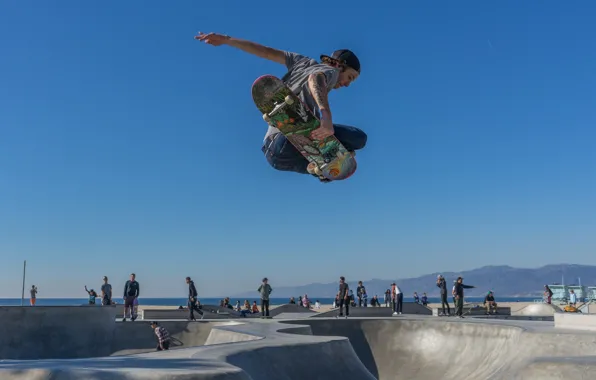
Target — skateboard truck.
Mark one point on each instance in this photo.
(288, 101)
(313, 168)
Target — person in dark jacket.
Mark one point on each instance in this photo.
(359, 292)
(548, 294)
(192, 300)
(459, 296)
(131, 293)
(442, 285)
(344, 297)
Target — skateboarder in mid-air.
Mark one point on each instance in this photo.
(311, 81)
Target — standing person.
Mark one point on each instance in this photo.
(442, 285)
(265, 290)
(359, 292)
(453, 295)
(33, 295)
(548, 294)
(311, 81)
(424, 299)
(131, 294)
(459, 296)
(572, 298)
(192, 300)
(387, 297)
(163, 336)
(398, 298)
(106, 292)
(344, 297)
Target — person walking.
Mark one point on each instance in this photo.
(192, 300)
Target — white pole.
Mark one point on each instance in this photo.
(23, 290)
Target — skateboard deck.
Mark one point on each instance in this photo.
(282, 109)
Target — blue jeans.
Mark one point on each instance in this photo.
(282, 155)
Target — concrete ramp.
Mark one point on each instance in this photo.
(404, 349)
(455, 350)
(538, 310)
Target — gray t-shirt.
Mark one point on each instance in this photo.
(265, 290)
(107, 289)
(299, 69)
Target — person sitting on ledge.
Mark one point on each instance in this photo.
(489, 302)
(246, 310)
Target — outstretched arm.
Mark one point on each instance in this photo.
(259, 50)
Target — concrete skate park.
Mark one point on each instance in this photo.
(89, 343)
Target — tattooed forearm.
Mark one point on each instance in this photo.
(317, 83)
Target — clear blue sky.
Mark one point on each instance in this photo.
(125, 145)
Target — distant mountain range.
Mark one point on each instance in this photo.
(503, 280)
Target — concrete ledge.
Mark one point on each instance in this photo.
(476, 310)
(67, 332)
(516, 317)
(183, 314)
(575, 321)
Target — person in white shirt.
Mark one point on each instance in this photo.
(572, 298)
(453, 295)
(398, 297)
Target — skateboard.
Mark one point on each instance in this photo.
(282, 109)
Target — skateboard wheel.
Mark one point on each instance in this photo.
(288, 99)
(311, 168)
(266, 117)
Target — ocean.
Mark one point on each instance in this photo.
(215, 301)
